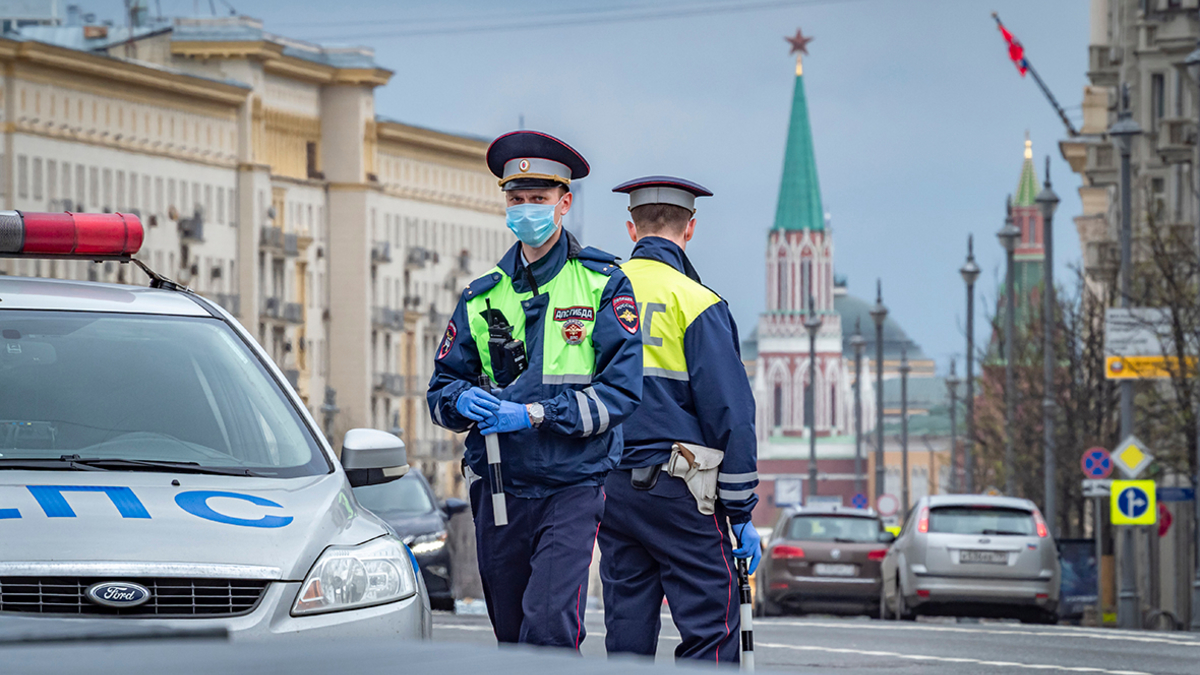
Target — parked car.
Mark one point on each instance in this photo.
(409, 506)
(822, 559)
(972, 555)
(158, 472)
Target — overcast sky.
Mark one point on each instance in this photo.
(918, 116)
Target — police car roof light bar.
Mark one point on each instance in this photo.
(81, 236)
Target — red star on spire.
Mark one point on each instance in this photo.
(799, 43)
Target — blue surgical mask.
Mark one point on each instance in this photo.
(532, 223)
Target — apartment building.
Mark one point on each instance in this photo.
(266, 181)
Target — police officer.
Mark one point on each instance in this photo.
(654, 539)
(545, 351)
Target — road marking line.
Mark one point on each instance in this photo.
(883, 625)
(949, 659)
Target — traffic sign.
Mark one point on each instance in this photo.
(859, 501)
(1133, 502)
(1096, 487)
(1132, 457)
(1176, 494)
(1096, 463)
(887, 505)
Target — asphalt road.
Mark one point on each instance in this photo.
(927, 647)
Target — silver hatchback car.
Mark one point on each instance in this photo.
(972, 555)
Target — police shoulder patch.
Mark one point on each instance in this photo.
(626, 310)
(447, 340)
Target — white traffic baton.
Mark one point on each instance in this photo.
(499, 506)
(747, 662)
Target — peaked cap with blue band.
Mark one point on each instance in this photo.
(663, 190)
(531, 160)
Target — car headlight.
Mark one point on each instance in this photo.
(346, 577)
(428, 543)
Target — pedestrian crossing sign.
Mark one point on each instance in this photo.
(1133, 502)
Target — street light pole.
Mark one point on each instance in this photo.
(859, 343)
(970, 272)
(952, 383)
(879, 314)
(904, 370)
(1008, 236)
(812, 323)
(1193, 68)
(1047, 202)
(1128, 613)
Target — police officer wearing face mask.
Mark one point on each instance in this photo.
(689, 469)
(545, 352)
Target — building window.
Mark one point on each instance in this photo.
(778, 408)
(80, 185)
(133, 190)
(37, 178)
(108, 190)
(1158, 96)
(220, 205)
(806, 284)
(809, 405)
(781, 279)
(22, 176)
(94, 186)
(833, 409)
(52, 179)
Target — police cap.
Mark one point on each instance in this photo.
(525, 160)
(663, 190)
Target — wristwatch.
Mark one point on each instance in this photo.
(536, 413)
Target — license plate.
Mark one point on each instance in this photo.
(826, 570)
(983, 557)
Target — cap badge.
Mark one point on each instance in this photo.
(523, 166)
(574, 332)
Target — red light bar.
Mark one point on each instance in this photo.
(76, 235)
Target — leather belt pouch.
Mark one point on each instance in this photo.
(644, 478)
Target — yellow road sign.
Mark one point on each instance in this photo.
(1132, 457)
(1143, 367)
(1133, 502)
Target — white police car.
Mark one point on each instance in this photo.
(155, 468)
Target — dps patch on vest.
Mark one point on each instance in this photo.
(574, 331)
(580, 313)
(447, 340)
(627, 313)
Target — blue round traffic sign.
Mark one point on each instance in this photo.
(1096, 463)
(859, 501)
(1133, 502)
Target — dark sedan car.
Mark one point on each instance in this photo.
(410, 507)
(823, 559)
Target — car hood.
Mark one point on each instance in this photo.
(407, 524)
(66, 517)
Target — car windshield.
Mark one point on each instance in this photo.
(406, 495)
(981, 520)
(118, 389)
(833, 528)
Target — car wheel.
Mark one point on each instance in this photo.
(902, 611)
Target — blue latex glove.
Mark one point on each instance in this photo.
(749, 544)
(509, 418)
(476, 404)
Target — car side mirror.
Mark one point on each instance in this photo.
(454, 506)
(886, 537)
(371, 457)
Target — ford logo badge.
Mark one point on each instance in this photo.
(120, 594)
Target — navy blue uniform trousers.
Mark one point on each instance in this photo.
(535, 568)
(657, 542)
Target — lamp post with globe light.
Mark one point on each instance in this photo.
(879, 314)
(970, 273)
(1008, 236)
(1047, 203)
(812, 323)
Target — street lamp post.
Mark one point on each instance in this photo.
(1047, 203)
(952, 383)
(1193, 68)
(859, 343)
(1008, 236)
(812, 323)
(970, 272)
(1122, 133)
(904, 370)
(879, 314)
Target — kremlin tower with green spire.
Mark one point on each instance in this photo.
(1029, 254)
(799, 264)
